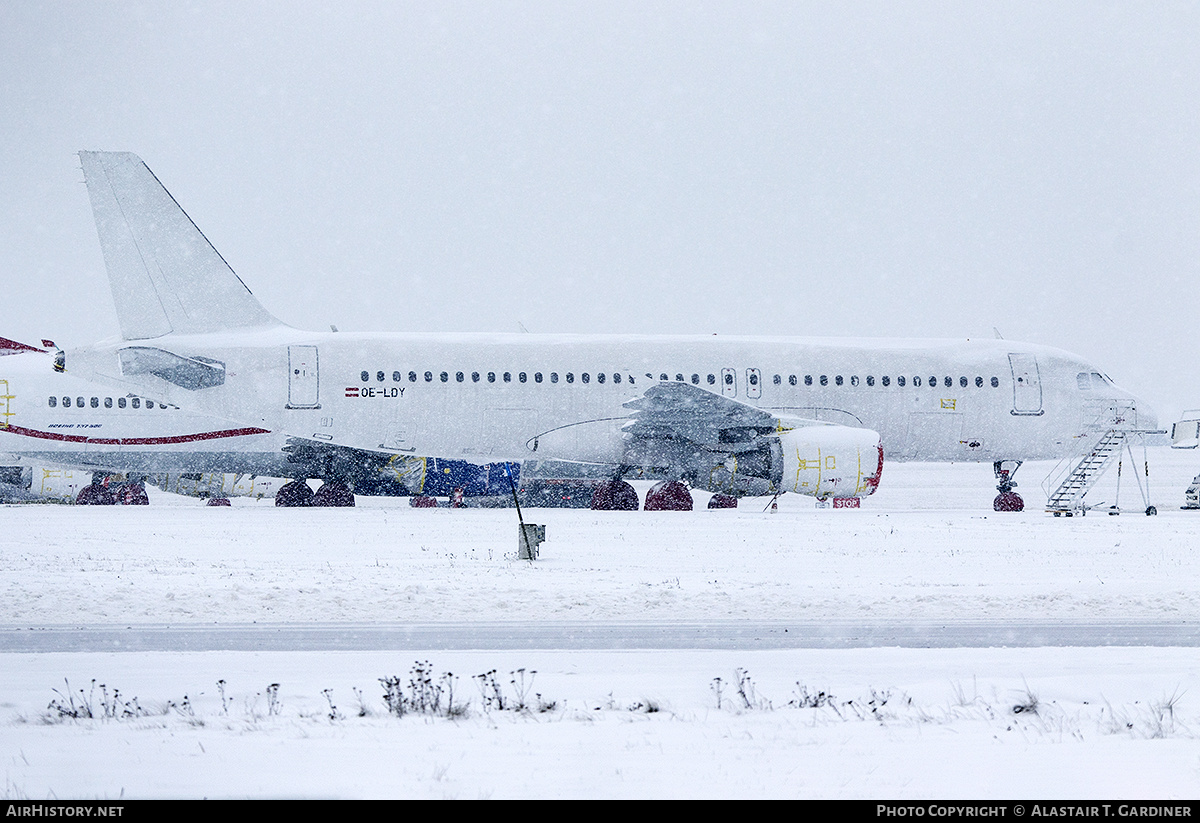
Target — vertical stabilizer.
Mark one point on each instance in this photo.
(165, 275)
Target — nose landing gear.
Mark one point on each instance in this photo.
(1008, 500)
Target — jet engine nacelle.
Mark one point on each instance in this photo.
(830, 461)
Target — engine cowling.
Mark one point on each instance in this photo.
(830, 461)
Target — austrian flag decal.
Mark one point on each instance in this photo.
(352, 391)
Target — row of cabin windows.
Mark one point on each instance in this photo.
(82, 402)
(522, 377)
(491, 377)
(901, 380)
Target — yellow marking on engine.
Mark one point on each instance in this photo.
(949, 403)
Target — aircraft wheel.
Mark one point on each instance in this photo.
(133, 494)
(422, 501)
(616, 495)
(218, 501)
(1008, 502)
(95, 495)
(1151, 511)
(333, 494)
(668, 496)
(722, 501)
(294, 495)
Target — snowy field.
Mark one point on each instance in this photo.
(908, 720)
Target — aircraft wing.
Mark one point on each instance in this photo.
(682, 412)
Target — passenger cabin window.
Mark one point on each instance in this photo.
(791, 379)
(396, 377)
(695, 380)
(995, 382)
(616, 377)
(428, 377)
(553, 377)
(53, 402)
(599, 377)
(412, 377)
(854, 380)
(79, 402)
(459, 377)
(135, 403)
(491, 377)
(824, 380)
(523, 377)
(870, 380)
(712, 379)
(808, 379)
(365, 376)
(979, 382)
(508, 377)
(900, 381)
(916, 381)
(570, 377)
(120, 402)
(537, 377)
(95, 402)
(474, 377)
(838, 380)
(777, 380)
(962, 381)
(949, 382)
(444, 376)
(108, 402)
(584, 377)
(379, 376)
(885, 380)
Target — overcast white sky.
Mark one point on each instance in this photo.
(931, 169)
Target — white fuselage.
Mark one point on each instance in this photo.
(487, 398)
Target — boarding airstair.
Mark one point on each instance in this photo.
(1102, 444)
(1086, 470)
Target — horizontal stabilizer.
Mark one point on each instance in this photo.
(164, 274)
(12, 347)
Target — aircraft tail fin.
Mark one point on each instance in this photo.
(164, 274)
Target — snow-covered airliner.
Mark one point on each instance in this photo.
(730, 415)
(67, 429)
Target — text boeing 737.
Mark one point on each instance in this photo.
(731, 415)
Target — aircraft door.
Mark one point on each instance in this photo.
(1027, 385)
(729, 382)
(753, 384)
(303, 380)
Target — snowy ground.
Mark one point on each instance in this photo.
(1065, 722)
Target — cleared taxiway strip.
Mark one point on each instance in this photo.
(590, 636)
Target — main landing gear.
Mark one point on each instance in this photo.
(1008, 500)
(104, 491)
(666, 496)
(297, 494)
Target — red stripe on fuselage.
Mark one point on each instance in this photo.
(131, 441)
